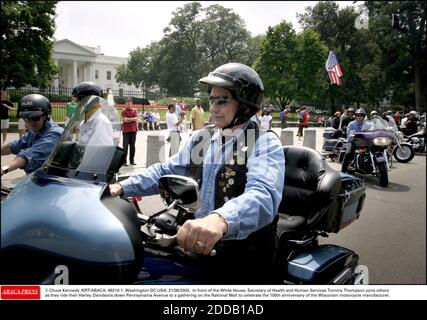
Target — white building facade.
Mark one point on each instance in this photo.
(79, 63)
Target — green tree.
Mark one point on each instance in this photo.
(403, 53)
(26, 29)
(291, 65)
(196, 41)
(139, 70)
(310, 55)
(276, 63)
(337, 30)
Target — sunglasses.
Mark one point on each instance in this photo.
(35, 119)
(220, 101)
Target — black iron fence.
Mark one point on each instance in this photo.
(59, 97)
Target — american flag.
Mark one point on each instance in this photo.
(333, 68)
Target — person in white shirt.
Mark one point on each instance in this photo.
(265, 119)
(95, 128)
(173, 123)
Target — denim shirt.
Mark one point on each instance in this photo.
(356, 126)
(35, 148)
(247, 213)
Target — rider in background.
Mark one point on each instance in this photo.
(357, 125)
(346, 121)
(33, 149)
(95, 128)
(411, 123)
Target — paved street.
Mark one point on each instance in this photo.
(390, 235)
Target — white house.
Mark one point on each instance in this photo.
(79, 63)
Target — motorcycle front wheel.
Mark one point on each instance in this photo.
(405, 153)
(383, 174)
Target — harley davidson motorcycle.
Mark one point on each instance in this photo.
(417, 140)
(334, 145)
(371, 156)
(62, 216)
(401, 150)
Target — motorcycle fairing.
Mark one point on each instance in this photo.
(70, 214)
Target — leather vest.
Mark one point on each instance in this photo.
(230, 180)
(230, 183)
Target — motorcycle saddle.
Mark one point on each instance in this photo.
(309, 186)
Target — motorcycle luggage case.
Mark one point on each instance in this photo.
(321, 265)
(330, 145)
(329, 133)
(346, 206)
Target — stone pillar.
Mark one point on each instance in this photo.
(155, 149)
(309, 138)
(287, 137)
(74, 73)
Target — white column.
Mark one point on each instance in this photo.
(90, 74)
(56, 78)
(74, 73)
(86, 74)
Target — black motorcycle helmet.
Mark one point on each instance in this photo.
(245, 86)
(33, 105)
(85, 89)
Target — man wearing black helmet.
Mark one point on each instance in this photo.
(95, 128)
(33, 149)
(239, 200)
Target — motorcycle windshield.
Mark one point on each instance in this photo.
(376, 127)
(378, 123)
(92, 151)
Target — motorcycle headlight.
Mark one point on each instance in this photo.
(382, 141)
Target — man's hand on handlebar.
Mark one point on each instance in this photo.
(116, 189)
(201, 235)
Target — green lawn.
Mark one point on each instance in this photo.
(58, 114)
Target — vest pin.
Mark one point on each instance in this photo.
(230, 181)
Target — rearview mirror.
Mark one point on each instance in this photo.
(183, 189)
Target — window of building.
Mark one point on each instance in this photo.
(97, 74)
(108, 75)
